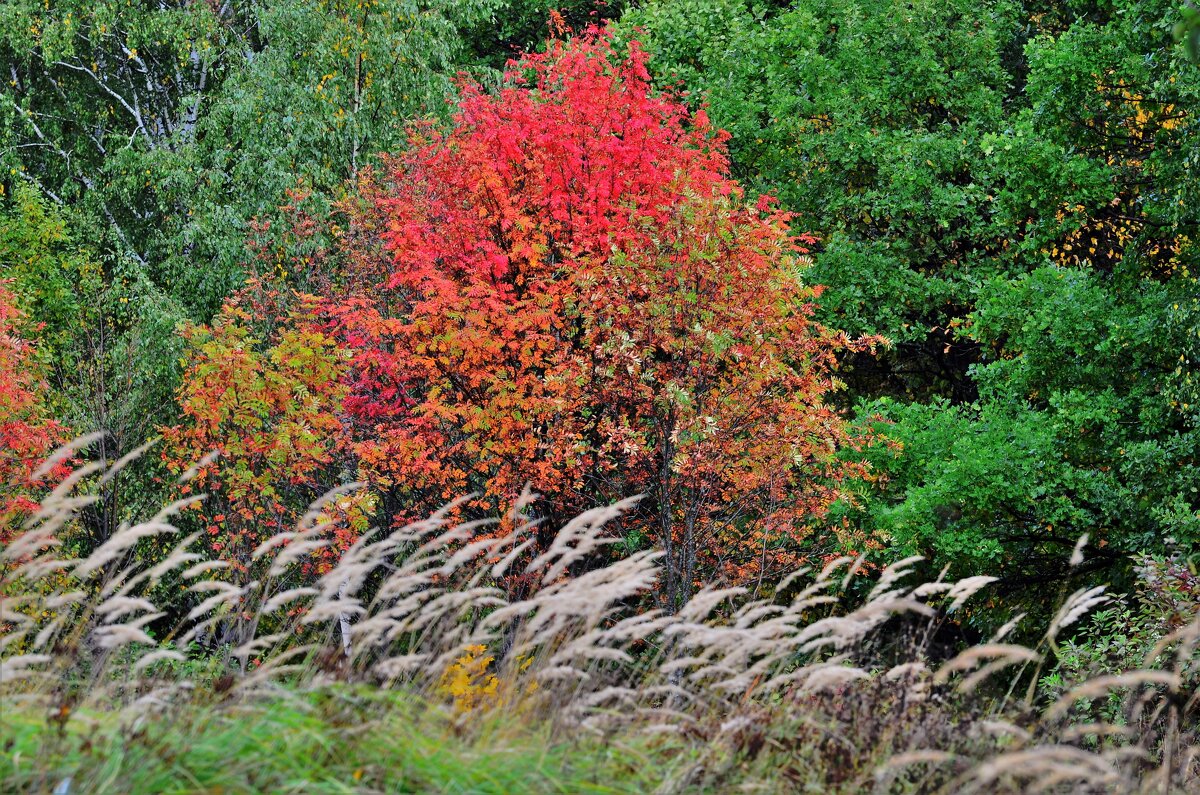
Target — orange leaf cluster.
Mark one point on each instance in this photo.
(261, 390)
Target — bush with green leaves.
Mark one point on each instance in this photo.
(1129, 633)
(1010, 201)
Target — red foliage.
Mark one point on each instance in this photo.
(563, 288)
(27, 432)
(579, 297)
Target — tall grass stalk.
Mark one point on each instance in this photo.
(571, 672)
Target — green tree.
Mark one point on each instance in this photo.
(514, 27)
(175, 125)
(1011, 202)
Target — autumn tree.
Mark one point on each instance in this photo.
(28, 434)
(261, 394)
(579, 297)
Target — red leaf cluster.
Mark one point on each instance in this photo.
(28, 434)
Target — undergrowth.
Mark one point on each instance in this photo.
(445, 657)
(333, 740)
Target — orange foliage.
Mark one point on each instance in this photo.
(262, 389)
(565, 289)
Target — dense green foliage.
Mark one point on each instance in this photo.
(172, 127)
(1007, 191)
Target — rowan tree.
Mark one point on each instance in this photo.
(580, 298)
(28, 433)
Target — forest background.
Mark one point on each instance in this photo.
(1004, 192)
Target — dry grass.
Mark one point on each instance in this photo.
(799, 691)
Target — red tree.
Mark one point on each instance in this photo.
(579, 297)
(28, 433)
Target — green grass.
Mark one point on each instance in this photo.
(334, 741)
